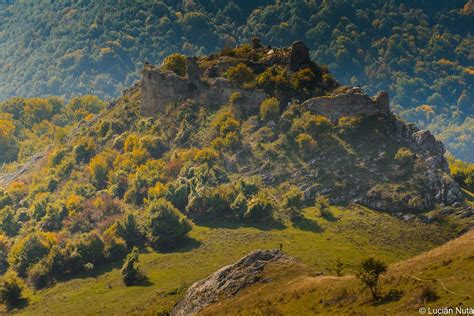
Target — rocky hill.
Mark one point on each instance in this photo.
(418, 181)
(250, 136)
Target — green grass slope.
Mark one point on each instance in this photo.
(352, 234)
(441, 277)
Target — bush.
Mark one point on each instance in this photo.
(368, 272)
(463, 173)
(99, 169)
(40, 275)
(274, 80)
(163, 224)
(240, 74)
(55, 213)
(206, 155)
(212, 202)
(293, 198)
(130, 272)
(259, 208)
(10, 291)
(8, 223)
(114, 247)
(306, 143)
(270, 109)
(4, 247)
(84, 150)
(119, 183)
(27, 251)
(90, 249)
(128, 230)
(175, 63)
(405, 156)
(304, 81)
(154, 145)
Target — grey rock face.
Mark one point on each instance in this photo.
(161, 88)
(227, 281)
(299, 56)
(350, 103)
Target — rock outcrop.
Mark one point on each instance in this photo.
(162, 88)
(228, 281)
(352, 102)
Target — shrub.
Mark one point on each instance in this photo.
(130, 272)
(368, 272)
(306, 143)
(339, 267)
(270, 109)
(57, 157)
(163, 224)
(178, 195)
(129, 231)
(304, 81)
(84, 150)
(39, 276)
(206, 155)
(348, 123)
(293, 198)
(259, 208)
(274, 80)
(89, 248)
(27, 251)
(175, 63)
(463, 173)
(39, 205)
(241, 74)
(119, 183)
(4, 247)
(8, 223)
(313, 125)
(99, 169)
(154, 145)
(211, 201)
(11, 291)
(114, 247)
(55, 213)
(405, 156)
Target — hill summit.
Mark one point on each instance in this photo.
(365, 153)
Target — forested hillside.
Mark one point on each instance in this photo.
(421, 51)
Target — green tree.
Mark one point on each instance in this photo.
(26, 252)
(164, 225)
(11, 291)
(130, 272)
(129, 231)
(368, 272)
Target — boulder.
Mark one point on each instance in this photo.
(227, 281)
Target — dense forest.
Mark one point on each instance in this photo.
(420, 51)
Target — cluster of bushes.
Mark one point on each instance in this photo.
(462, 172)
(29, 125)
(244, 201)
(227, 130)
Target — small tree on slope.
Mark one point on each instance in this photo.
(369, 272)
